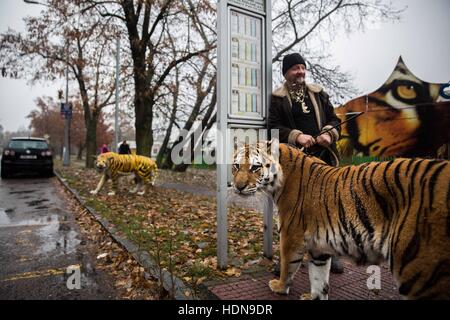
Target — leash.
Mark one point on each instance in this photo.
(305, 150)
(340, 124)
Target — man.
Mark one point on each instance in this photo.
(302, 113)
(124, 148)
(104, 148)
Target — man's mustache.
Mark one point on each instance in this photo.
(297, 83)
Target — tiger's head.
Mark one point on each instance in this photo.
(102, 161)
(403, 118)
(256, 168)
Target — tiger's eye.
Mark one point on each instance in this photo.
(407, 92)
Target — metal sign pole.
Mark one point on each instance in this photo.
(222, 103)
(244, 87)
(116, 114)
(268, 208)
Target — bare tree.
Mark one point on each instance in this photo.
(45, 119)
(309, 26)
(146, 23)
(163, 158)
(299, 25)
(200, 82)
(66, 34)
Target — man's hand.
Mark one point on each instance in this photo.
(305, 140)
(324, 140)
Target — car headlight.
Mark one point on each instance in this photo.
(9, 152)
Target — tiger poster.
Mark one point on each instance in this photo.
(405, 117)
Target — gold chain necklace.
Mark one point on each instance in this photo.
(298, 95)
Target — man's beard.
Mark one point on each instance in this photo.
(297, 84)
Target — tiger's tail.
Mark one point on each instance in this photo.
(155, 173)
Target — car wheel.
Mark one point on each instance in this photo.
(4, 174)
(49, 174)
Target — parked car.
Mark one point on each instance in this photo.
(26, 155)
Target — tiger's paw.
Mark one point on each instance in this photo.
(141, 193)
(134, 190)
(94, 192)
(278, 287)
(111, 193)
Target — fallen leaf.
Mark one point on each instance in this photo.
(200, 280)
(233, 272)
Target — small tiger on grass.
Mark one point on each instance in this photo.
(112, 165)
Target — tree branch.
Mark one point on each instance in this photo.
(297, 40)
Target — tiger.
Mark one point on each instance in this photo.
(394, 211)
(405, 117)
(112, 164)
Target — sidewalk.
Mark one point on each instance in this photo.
(351, 285)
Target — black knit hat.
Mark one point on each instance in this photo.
(290, 60)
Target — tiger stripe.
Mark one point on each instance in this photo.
(112, 165)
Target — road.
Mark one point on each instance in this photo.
(39, 240)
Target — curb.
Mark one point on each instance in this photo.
(142, 257)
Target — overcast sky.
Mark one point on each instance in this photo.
(421, 38)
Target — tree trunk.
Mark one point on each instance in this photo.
(162, 154)
(143, 125)
(80, 152)
(206, 124)
(91, 142)
(187, 127)
(167, 162)
(143, 100)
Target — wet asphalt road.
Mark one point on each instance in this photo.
(39, 240)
